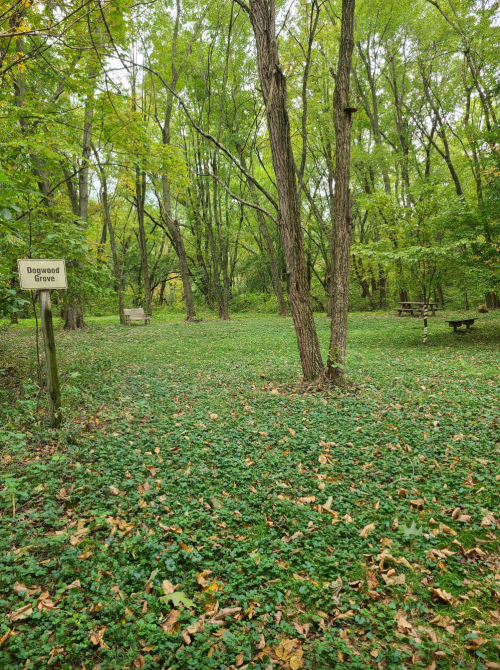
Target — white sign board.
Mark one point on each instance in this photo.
(42, 273)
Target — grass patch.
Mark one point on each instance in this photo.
(189, 448)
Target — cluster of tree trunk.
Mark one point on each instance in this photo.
(262, 15)
(492, 301)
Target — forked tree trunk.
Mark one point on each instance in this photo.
(174, 230)
(273, 83)
(335, 368)
(172, 223)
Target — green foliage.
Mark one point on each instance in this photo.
(160, 427)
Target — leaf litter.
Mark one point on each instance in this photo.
(276, 533)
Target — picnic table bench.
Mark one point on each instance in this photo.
(136, 314)
(414, 306)
(456, 323)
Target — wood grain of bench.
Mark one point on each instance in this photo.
(136, 314)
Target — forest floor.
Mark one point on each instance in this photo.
(200, 509)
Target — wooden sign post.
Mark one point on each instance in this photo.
(42, 275)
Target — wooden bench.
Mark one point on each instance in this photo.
(456, 323)
(137, 314)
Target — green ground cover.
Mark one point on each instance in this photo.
(201, 510)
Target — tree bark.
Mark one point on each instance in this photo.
(441, 295)
(53, 385)
(174, 227)
(74, 308)
(172, 223)
(335, 369)
(83, 176)
(273, 84)
(140, 197)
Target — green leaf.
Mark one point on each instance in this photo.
(216, 503)
(177, 598)
(411, 531)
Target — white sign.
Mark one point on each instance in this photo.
(42, 273)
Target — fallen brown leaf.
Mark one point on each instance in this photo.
(167, 587)
(364, 532)
(21, 589)
(21, 613)
(441, 594)
(170, 625)
(97, 638)
(74, 585)
(404, 626)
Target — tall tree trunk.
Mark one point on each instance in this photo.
(217, 251)
(140, 197)
(74, 303)
(441, 295)
(83, 176)
(162, 292)
(335, 369)
(176, 235)
(173, 224)
(382, 287)
(273, 84)
(112, 243)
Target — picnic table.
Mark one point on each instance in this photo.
(415, 306)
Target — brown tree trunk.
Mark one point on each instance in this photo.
(176, 235)
(273, 84)
(217, 253)
(74, 317)
(83, 176)
(162, 292)
(74, 309)
(175, 229)
(172, 223)
(441, 295)
(492, 301)
(140, 190)
(335, 369)
(382, 287)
